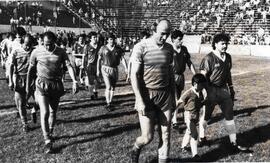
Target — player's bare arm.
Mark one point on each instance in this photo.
(136, 77)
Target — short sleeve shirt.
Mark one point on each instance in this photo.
(156, 62)
(180, 60)
(192, 102)
(217, 71)
(49, 65)
(91, 54)
(20, 58)
(109, 57)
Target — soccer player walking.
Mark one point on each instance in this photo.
(19, 63)
(89, 62)
(48, 62)
(216, 66)
(152, 80)
(181, 58)
(109, 57)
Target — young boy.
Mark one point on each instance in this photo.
(192, 101)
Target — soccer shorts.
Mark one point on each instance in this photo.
(159, 100)
(110, 74)
(91, 71)
(50, 88)
(219, 96)
(179, 84)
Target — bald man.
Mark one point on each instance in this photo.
(152, 80)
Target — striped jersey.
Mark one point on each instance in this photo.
(20, 58)
(49, 65)
(156, 62)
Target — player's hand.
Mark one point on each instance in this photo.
(141, 108)
(11, 86)
(232, 93)
(75, 87)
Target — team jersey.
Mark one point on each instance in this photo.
(112, 57)
(19, 57)
(78, 49)
(192, 101)
(180, 60)
(218, 72)
(156, 62)
(91, 54)
(49, 64)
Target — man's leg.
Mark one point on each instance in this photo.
(20, 101)
(54, 102)
(147, 132)
(164, 120)
(43, 102)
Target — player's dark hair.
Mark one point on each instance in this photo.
(111, 35)
(198, 78)
(51, 36)
(220, 37)
(10, 34)
(177, 33)
(20, 31)
(40, 36)
(92, 34)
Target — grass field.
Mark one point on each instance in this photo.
(86, 132)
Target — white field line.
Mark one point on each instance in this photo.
(130, 91)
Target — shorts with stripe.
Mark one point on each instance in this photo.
(110, 74)
(20, 84)
(49, 88)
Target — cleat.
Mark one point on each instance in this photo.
(237, 148)
(48, 147)
(186, 149)
(196, 158)
(26, 128)
(202, 142)
(134, 155)
(96, 95)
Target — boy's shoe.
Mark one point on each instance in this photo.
(109, 107)
(96, 95)
(196, 158)
(186, 149)
(48, 147)
(175, 126)
(134, 155)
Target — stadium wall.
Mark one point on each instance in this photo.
(193, 43)
(40, 29)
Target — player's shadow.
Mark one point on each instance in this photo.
(100, 117)
(102, 134)
(7, 106)
(118, 101)
(242, 113)
(248, 138)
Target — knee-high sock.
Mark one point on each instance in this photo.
(111, 95)
(231, 129)
(91, 90)
(194, 146)
(202, 128)
(186, 139)
(107, 96)
(174, 118)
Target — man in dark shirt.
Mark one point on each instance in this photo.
(216, 66)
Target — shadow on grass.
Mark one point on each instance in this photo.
(243, 112)
(7, 106)
(248, 138)
(104, 134)
(100, 117)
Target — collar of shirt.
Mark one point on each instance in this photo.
(221, 57)
(178, 50)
